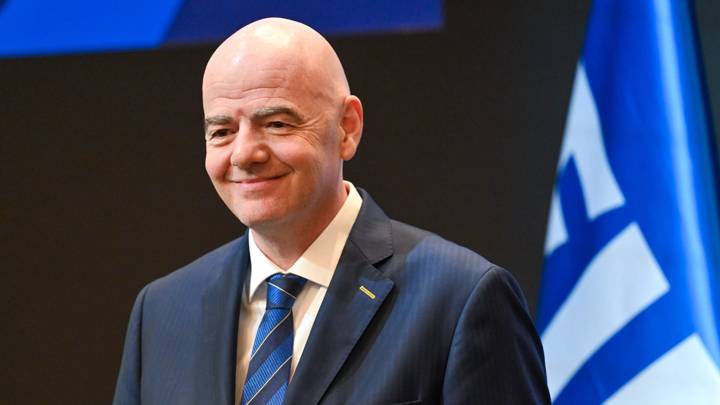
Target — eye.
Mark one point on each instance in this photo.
(276, 125)
(218, 133)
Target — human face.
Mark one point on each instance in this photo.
(272, 145)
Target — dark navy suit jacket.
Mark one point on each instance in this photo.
(443, 325)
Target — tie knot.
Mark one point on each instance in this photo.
(282, 290)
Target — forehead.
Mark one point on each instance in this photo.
(254, 77)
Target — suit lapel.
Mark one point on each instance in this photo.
(356, 292)
(220, 312)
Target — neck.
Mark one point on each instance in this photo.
(284, 244)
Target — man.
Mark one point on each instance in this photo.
(324, 299)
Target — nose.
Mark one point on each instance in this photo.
(248, 148)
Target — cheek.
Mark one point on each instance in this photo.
(292, 151)
(215, 164)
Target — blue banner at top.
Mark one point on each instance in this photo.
(39, 27)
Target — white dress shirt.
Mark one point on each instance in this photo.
(317, 265)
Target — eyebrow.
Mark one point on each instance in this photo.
(256, 116)
(270, 111)
(216, 120)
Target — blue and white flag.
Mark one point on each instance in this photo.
(630, 299)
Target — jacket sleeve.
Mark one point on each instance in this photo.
(496, 355)
(127, 391)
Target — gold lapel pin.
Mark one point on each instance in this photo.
(367, 292)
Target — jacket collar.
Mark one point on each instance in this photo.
(215, 371)
(356, 292)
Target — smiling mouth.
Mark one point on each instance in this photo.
(259, 184)
(258, 179)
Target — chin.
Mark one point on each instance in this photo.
(257, 218)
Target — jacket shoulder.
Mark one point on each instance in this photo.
(423, 249)
(200, 271)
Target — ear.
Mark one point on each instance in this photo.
(351, 126)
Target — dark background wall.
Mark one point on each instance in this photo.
(104, 188)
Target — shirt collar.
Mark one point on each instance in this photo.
(317, 264)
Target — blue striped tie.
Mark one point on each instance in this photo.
(269, 370)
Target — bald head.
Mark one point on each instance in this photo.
(276, 43)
